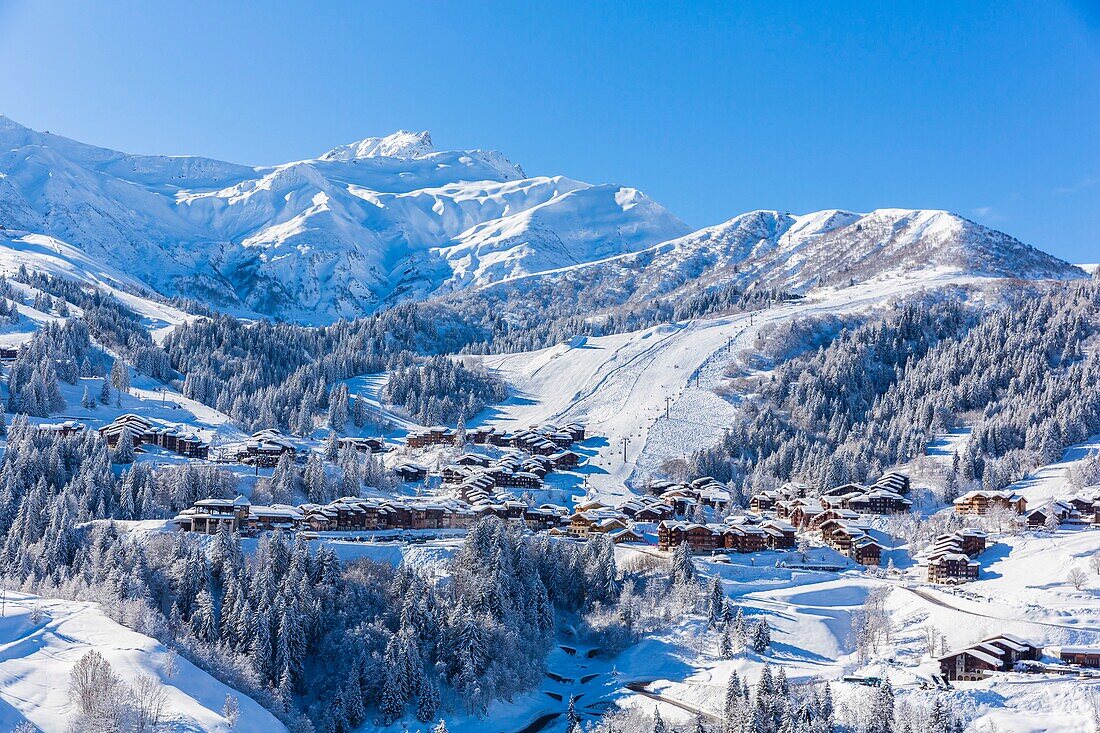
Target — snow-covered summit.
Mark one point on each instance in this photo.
(401, 144)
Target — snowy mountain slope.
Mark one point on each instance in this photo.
(366, 224)
(617, 384)
(796, 253)
(44, 254)
(36, 657)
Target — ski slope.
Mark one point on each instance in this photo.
(618, 384)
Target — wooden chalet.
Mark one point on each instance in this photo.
(409, 472)
(1038, 517)
(983, 502)
(365, 445)
(744, 538)
(969, 542)
(970, 665)
(625, 535)
(780, 535)
(437, 435)
(64, 429)
(699, 537)
(208, 516)
(263, 449)
(1082, 656)
(952, 569)
(866, 551)
(995, 654)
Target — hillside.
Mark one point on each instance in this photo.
(42, 639)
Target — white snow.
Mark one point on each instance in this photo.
(36, 657)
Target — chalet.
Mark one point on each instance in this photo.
(64, 429)
(455, 474)
(760, 503)
(1082, 656)
(803, 516)
(576, 431)
(592, 521)
(365, 445)
(437, 435)
(409, 472)
(840, 534)
(866, 551)
(625, 535)
(970, 664)
(744, 538)
(473, 459)
(565, 459)
(952, 569)
(879, 501)
(9, 353)
(137, 426)
(646, 509)
(1015, 648)
(843, 515)
(699, 537)
(895, 482)
(479, 436)
(779, 534)
(969, 542)
(983, 502)
(538, 519)
(274, 517)
(1059, 510)
(209, 515)
(264, 449)
(995, 654)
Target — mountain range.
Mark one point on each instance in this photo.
(388, 219)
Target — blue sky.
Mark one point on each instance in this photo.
(991, 109)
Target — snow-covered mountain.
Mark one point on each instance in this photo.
(796, 253)
(388, 219)
(363, 225)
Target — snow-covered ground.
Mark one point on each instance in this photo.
(41, 640)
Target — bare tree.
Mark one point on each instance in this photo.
(1077, 577)
(150, 700)
(86, 680)
(1094, 562)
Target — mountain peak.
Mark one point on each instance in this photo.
(401, 144)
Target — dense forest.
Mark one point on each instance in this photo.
(1020, 375)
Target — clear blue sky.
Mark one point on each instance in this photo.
(989, 109)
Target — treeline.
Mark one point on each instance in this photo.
(875, 396)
